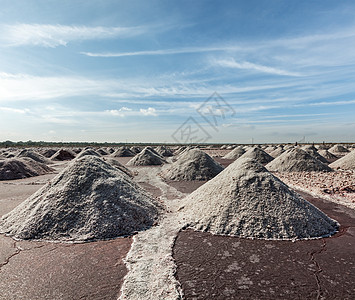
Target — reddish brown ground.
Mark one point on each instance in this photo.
(37, 270)
(220, 267)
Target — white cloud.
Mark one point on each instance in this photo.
(119, 112)
(60, 35)
(14, 110)
(245, 65)
(148, 112)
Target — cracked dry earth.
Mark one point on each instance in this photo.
(220, 267)
(204, 266)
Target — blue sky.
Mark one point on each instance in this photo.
(135, 71)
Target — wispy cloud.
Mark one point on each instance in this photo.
(164, 51)
(60, 35)
(245, 65)
(14, 110)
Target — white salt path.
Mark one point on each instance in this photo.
(150, 264)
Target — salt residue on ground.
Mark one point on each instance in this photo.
(338, 187)
(151, 267)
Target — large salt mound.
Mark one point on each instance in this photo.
(89, 200)
(146, 158)
(246, 200)
(123, 152)
(34, 155)
(63, 154)
(338, 149)
(235, 153)
(258, 154)
(346, 163)
(296, 160)
(17, 168)
(192, 165)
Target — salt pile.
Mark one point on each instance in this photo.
(246, 200)
(123, 152)
(102, 151)
(322, 147)
(63, 154)
(87, 152)
(338, 149)
(17, 168)
(258, 154)
(316, 155)
(164, 151)
(277, 152)
(327, 155)
(309, 148)
(346, 163)
(296, 160)
(89, 200)
(192, 165)
(235, 153)
(48, 152)
(119, 166)
(146, 158)
(34, 155)
(180, 150)
(269, 149)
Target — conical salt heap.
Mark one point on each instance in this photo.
(34, 155)
(277, 152)
(258, 154)
(87, 152)
(102, 151)
(192, 165)
(89, 200)
(119, 166)
(346, 163)
(48, 152)
(316, 155)
(18, 168)
(296, 160)
(235, 153)
(123, 152)
(246, 200)
(164, 151)
(338, 149)
(146, 158)
(63, 154)
(327, 155)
